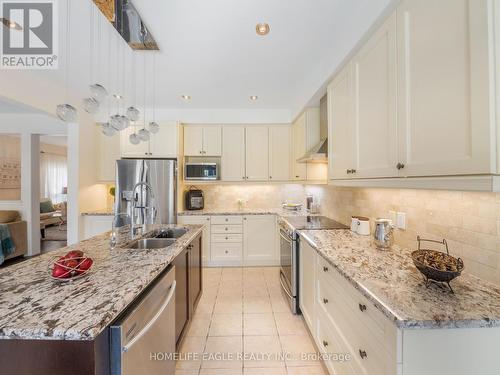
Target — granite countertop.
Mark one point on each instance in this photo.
(246, 211)
(390, 280)
(33, 306)
(98, 213)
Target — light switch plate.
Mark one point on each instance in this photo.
(401, 220)
(392, 216)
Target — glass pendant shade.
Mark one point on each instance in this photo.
(154, 127)
(108, 130)
(98, 92)
(134, 139)
(66, 112)
(119, 122)
(91, 105)
(133, 113)
(143, 134)
(125, 121)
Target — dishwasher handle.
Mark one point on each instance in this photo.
(146, 328)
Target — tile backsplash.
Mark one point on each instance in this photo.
(470, 221)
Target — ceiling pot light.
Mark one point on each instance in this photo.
(143, 134)
(91, 105)
(66, 112)
(134, 139)
(254, 97)
(98, 92)
(133, 113)
(262, 29)
(108, 130)
(186, 97)
(154, 127)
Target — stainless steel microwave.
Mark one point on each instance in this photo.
(201, 171)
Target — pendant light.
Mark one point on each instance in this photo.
(118, 121)
(153, 126)
(91, 104)
(144, 133)
(66, 112)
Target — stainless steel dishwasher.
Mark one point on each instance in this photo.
(143, 340)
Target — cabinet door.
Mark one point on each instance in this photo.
(257, 153)
(233, 153)
(299, 137)
(280, 141)
(200, 220)
(444, 74)
(307, 277)
(164, 143)
(259, 241)
(195, 267)
(340, 126)
(181, 263)
(212, 141)
(109, 153)
(193, 140)
(95, 225)
(375, 101)
(128, 150)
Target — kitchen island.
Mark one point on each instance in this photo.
(54, 326)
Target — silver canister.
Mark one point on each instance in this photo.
(383, 233)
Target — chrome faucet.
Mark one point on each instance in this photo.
(113, 238)
(145, 208)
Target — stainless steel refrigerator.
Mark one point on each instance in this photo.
(161, 175)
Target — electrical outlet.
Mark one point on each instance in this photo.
(401, 220)
(392, 216)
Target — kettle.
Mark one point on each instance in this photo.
(383, 233)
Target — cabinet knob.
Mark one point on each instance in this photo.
(325, 343)
(353, 171)
(270, 177)
(227, 219)
(325, 269)
(362, 354)
(243, 177)
(325, 300)
(400, 166)
(227, 238)
(297, 176)
(226, 229)
(348, 171)
(227, 252)
(362, 307)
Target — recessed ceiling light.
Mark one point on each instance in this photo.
(262, 29)
(254, 97)
(186, 97)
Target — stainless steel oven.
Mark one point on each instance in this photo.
(289, 267)
(201, 171)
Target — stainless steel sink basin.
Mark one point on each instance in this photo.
(152, 243)
(171, 233)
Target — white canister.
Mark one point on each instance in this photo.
(354, 224)
(363, 226)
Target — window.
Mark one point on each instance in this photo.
(53, 177)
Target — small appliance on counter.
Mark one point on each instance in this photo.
(384, 236)
(292, 206)
(194, 199)
(312, 204)
(360, 225)
(201, 171)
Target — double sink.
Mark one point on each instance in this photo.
(163, 238)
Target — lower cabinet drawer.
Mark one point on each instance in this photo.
(227, 228)
(229, 219)
(227, 253)
(233, 238)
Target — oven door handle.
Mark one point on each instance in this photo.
(283, 286)
(285, 237)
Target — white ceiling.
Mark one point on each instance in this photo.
(209, 49)
(9, 106)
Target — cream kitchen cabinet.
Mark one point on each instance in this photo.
(109, 153)
(202, 140)
(280, 140)
(299, 139)
(259, 240)
(307, 278)
(206, 236)
(94, 225)
(161, 145)
(233, 153)
(257, 153)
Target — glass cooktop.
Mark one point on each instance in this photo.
(314, 222)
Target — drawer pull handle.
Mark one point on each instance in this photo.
(227, 238)
(362, 354)
(325, 343)
(226, 229)
(362, 307)
(325, 300)
(325, 269)
(227, 252)
(227, 219)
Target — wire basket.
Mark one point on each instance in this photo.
(69, 272)
(437, 265)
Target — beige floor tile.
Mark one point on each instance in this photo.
(205, 306)
(306, 370)
(256, 304)
(274, 291)
(232, 274)
(223, 352)
(259, 325)
(228, 304)
(264, 371)
(255, 290)
(295, 347)
(199, 325)
(262, 351)
(289, 324)
(279, 304)
(226, 325)
(231, 289)
(221, 371)
(194, 347)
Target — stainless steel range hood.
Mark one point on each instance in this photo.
(127, 21)
(319, 152)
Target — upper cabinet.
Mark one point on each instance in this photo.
(444, 87)
(202, 140)
(257, 153)
(299, 139)
(161, 145)
(280, 143)
(416, 99)
(233, 153)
